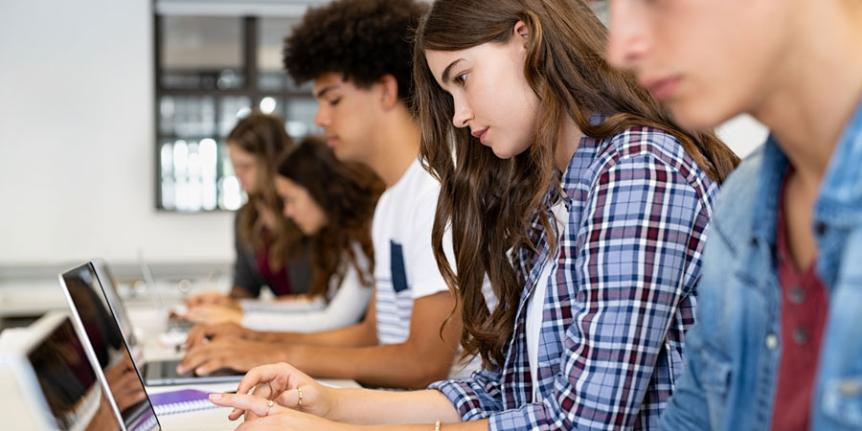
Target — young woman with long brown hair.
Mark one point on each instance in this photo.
(571, 190)
(332, 203)
(264, 240)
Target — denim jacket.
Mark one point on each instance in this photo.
(733, 350)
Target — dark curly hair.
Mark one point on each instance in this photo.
(361, 39)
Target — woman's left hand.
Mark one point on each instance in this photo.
(276, 417)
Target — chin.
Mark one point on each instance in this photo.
(341, 154)
(700, 115)
(502, 152)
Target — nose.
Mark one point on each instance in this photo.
(321, 118)
(462, 113)
(627, 39)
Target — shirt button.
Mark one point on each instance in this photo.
(796, 295)
(821, 228)
(771, 341)
(800, 336)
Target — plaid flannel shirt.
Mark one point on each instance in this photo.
(620, 299)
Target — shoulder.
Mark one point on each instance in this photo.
(642, 158)
(735, 205)
(660, 148)
(416, 191)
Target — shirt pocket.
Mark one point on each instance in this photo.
(397, 268)
(842, 400)
(715, 379)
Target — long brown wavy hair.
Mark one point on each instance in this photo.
(488, 202)
(264, 137)
(347, 193)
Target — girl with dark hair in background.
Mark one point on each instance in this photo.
(332, 203)
(265, 241)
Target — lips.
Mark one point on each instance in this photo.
(662, 89)
(480, 134)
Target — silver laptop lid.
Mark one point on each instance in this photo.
(106, 279)
(104, 343)
(56, 381)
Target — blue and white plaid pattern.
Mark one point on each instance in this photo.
(620, 300)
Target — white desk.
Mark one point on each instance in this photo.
(149, 323)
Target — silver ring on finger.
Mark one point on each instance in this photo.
(268, 407)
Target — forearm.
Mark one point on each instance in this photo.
(237, 292)
(366, 406)
(481, 425)
(352, 336)
(395, 365)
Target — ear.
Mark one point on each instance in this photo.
(389, 94)
(521, 31)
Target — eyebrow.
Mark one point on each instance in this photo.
(448, 70)
(325, 90)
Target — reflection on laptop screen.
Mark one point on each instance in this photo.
(111, 351)
(110, 290)
(69, 384)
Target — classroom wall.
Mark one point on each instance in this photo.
(76, 140)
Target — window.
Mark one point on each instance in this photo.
(211, 71)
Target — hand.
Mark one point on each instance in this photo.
(284, 384)
(212, 314)
(289, 420)
(202, 334)
(233, 353)
(210, 298)
(275, 418)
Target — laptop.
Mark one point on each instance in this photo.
(58, 383)
(103, 272)
(88, 301)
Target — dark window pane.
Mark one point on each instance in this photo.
(201, 52)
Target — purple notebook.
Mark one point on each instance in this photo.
(185, 400)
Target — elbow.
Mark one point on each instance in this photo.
(422, 379)
(427, 370)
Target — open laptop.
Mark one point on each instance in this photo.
(57, 382)
(88, 301)
(106, 279)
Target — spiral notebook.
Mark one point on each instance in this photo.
(182, 401)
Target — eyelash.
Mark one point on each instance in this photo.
(335, 102)
(461, 79)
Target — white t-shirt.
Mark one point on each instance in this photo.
(405, 268)
(349, 300)
(535, 306)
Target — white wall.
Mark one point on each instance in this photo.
(743, 134)
(76, 139)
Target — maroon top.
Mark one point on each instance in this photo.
(278, 281)
(804, 309)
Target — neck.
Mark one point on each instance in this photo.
(567, 143)
(816, 88)
(396, 146)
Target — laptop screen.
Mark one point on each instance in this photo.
(110, 348)
(67, 380)
(106, 279)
